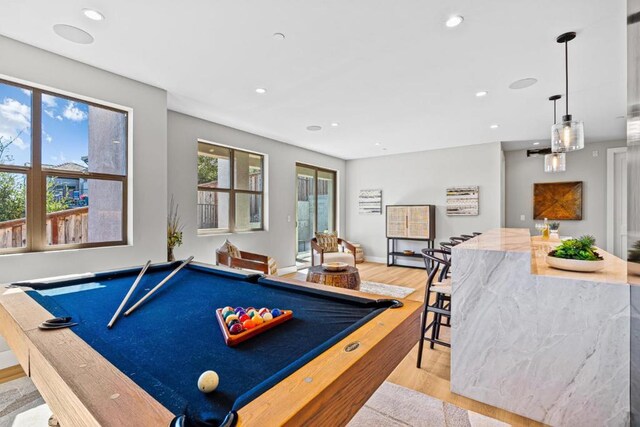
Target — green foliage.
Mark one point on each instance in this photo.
(207, 169)
(12, 197)
(634, 252)
(580, 249)
(174, 227)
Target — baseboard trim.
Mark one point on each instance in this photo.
(11, 373)
(287, 270)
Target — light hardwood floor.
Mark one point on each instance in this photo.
(433, 378)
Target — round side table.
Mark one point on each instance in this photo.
(349, 278)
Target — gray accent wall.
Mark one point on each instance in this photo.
(522, 171)
(278, 240)
(422, 178)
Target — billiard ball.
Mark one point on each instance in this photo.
(233, 322)
(257, 319)
(241, 312)
(226, 313)
(267, 316)
(263, 310)
(237, 309)
(244, 317)
(230, 318)
(248, 324)
(227, 308)
(276, 312)
(236, 328)
(208, 381)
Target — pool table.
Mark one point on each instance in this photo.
(317, 368)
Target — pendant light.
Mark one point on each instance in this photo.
(569, 134)
(555, 162)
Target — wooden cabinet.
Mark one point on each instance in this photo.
(411, 222)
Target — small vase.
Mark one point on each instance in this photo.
(170, 256)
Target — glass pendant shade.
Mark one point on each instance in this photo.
(567, 136)
(555, 162)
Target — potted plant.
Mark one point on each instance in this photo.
(634, 259)
(174, 230)
(554, 229)
(576, 255)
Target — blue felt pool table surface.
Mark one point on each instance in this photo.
(170, 340)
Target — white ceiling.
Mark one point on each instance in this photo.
(389, 72)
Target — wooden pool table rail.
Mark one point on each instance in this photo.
(84, 389)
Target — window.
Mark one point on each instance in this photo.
(63, 171)
(230, 189)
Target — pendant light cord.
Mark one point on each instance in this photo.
(566, 77)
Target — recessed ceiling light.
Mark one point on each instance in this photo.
(278, 36)
(536, 143)
(93, 14)
(261, 90)
(335, 124)
(523, 83)
(454, 21)
(481, 93)
(73, 34)
(494, 126)
(314, 128)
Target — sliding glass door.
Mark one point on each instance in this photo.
(315, 209)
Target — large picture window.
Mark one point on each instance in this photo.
(63, 171)
(230, 189)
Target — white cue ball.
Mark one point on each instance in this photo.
(208, 381)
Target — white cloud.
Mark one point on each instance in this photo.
(49, 100)
(26, 92)
(59, 117)
(73, 113)
(47, 137)
(18, 142)
(16, 113)
(49, 113)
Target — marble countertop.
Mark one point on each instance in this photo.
(520, 240)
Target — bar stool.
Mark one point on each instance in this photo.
(441, 308)
(467, 236)
(458, 239)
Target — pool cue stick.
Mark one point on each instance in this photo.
(126, 298)
(152, 291)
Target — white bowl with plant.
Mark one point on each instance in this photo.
(576, 255)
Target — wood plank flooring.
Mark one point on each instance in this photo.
(433, 378)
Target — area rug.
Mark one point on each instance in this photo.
(396, 406)
(385, 289)
(390, 406)
(21, 405)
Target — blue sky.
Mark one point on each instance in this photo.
(65, 131)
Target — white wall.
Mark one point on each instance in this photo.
(279, 239)
(149, 179)
(522, 172)
(422, 178)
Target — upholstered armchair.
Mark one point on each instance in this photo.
(231, 256)
(320, 255)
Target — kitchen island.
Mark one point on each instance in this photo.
(547, 344)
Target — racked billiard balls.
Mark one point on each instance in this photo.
(276, 312)
(267, 316)
(236, 328)
(257, 319)
(248, 324)
(244, 317)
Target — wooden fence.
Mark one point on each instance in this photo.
(63, 227)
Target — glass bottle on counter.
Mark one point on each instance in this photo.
(545, 229)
